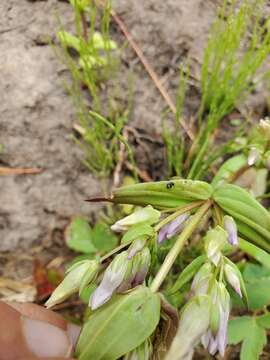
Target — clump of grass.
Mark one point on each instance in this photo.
(238, 45)
(92, 58)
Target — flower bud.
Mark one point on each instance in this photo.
(147, 215)
(135, 247)
(215, 240)
(142, 267)
(172, 228)
(231, 228)
(194, 323)
(233, 278)
(78, 276)
(201, 280)
(253, 156)
(223, 302)
(113, 276)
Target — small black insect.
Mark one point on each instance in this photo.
(170, 185)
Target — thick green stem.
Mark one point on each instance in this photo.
(176, 249)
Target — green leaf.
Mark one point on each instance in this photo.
(229, 168)
(248, 330)
(69, 40)
(257, 280)
(103, 238)
(238, 203)
(79, 236)
(119, 326)
(163, 194)
(253, 344)
(136, 232)
(187, 274)
(260, 255)
(238, 329)
(264, 320)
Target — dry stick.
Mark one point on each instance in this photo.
(19, 171)
(150, 71)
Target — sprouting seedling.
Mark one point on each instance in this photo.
(232, 212)
(91, 52)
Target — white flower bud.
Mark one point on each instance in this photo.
(78, 276)
(233, 278)
(147, 215)
(215, 240)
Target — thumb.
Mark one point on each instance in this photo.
(32, 332)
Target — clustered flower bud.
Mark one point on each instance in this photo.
(124, 273)
(215, 240)
(173, 228)
(206, 315)
(78, 277)
(147, 215)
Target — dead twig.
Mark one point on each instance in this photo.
(19, 171)
(141, 173)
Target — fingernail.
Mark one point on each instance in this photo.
(44, 339)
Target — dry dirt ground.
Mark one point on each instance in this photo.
(36, 114)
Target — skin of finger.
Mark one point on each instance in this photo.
(36, 312)
(12, 343)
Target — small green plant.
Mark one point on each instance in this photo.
(237, 47)
(92, 58)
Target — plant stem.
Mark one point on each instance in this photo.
(179, 211)
(176, 249)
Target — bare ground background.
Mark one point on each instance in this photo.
(36, 114)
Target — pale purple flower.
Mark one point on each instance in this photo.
(231, 229)
(112, 279)
(233, 278)
(172, 228)
(218, 343)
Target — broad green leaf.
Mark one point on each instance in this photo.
(260, 255)
(238, 203)
(264, 320)
(136, 232)
(257, 280)
(103, 238)
(238, 329)
(119, 326)
(187, 274)
(248, 330)
(163, 194)
(79, 236)
(255, 272)
(253, 344)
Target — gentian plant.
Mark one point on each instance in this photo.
(131, 297)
